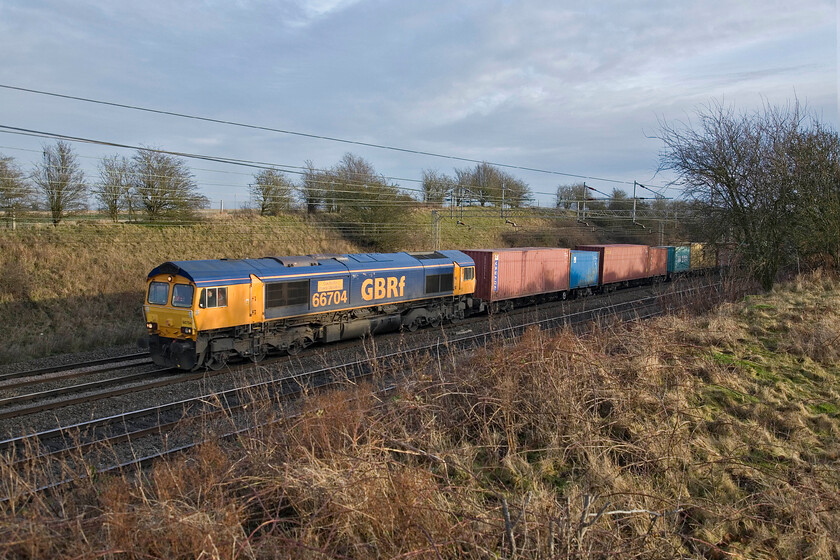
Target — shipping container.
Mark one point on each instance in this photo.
(703, 256)
(503, 274)
(657, 262)
(620, 263)
(583, 270)
(682, 258)
(671, 256)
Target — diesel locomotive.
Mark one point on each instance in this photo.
(202, 313)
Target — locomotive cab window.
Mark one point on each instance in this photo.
(158, 293)
(469, 273)
(436, 283)
(182, 295)
(213, 297)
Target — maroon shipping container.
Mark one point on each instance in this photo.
(620, 263)
(658, 261)
(513, 273)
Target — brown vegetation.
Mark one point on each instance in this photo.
(708, 436)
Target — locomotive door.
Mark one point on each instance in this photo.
(255, 300)
(456, 279)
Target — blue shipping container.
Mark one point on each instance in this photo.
(583, 270)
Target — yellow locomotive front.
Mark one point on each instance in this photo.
(170, 318)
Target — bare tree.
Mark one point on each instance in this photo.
(816, 176)
(739, 167)
(15, 192)
(311, 189)
(164, 186)
(569, 197)
(436, 186)
(61, 182)
(371, 209)
(115, 181)
(272, 191)
(490, 185)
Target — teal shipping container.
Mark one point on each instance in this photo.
(682, 258)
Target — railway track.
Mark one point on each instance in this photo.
(72, 367)
(158, 421)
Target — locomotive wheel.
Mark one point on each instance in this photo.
(294, 348)
(413, 326)
(434, 321)
(216, 362)
(259, 355)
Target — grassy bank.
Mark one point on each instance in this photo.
(707, 436)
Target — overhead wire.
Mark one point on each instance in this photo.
(307, 135)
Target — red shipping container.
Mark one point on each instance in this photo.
(658, 261)
(513, 273)
(621, 263)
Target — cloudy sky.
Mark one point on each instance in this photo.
(565, 87)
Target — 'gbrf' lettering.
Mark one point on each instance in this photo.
(383, 288)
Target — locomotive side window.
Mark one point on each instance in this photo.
(282, 294)
(182, 295)
(213, 297)
(469, 273)
(438, 283)
(158, 293)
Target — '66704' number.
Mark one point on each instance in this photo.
(323, 299)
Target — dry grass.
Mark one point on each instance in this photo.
(700, 436)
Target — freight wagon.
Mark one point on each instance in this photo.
(509, 277)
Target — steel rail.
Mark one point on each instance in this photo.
(67, 367)
(102, 394)
(70, 375)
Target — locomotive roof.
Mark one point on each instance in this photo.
(239, 271)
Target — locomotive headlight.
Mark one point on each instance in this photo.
(186, 330)
(151, 326)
